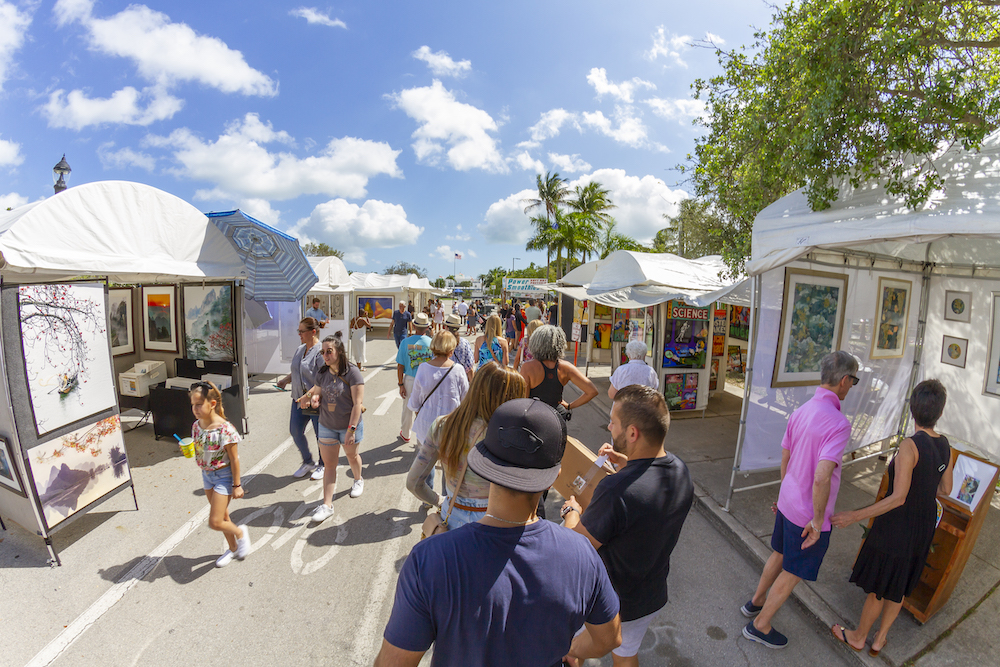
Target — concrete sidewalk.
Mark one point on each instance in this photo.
(961, 632)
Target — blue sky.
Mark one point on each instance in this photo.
(395, 131)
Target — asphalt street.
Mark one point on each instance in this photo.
(140, 587)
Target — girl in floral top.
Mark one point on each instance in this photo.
(215, 441)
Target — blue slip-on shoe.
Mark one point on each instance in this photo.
(773, 639)
(750, 610)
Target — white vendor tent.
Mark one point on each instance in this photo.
(333, 275)
(948, 247)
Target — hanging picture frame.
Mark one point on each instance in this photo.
(208, 322)
(120, 328)
(337, 307)
(892, 310)
(958, 306)
(954, 350)
(9, 477)
(159, 317)
(812, 322)
(992, 384)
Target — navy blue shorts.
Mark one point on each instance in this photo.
(787, 540)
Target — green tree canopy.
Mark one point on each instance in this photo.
(321, 250)
(402, 268)
(694, 232)
(851, 89)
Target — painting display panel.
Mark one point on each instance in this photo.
(8, 472)
(812, 321)
(958, 306)
(74, 470)
(375, 307)
(67, 356)
(120, 321)
(992, 385)
(953, 351)
(159, 317)
(208, 322)
(739, 322)
(891, 315)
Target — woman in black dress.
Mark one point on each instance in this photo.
(892, 559)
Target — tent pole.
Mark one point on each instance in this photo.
(918, 348)
(747, 384)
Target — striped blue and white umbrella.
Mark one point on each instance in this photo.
(277, 269)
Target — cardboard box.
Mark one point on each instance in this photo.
(579, 476)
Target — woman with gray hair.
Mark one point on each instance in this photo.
(546, 376)
(636, 371)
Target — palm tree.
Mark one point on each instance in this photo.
(552, 192)
(611, 240)
(592, 203)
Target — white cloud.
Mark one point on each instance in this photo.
(712, 38)
(671, 47)
(164, 52)
(681, 110)
(124, 158)
(550, 124)
(314, 16)
(13, 27)
(471, 253)
(347, 226)
(12, 200)
(627, 128)
(356, 258)
(10, 154)
(458, 237)
(568, 164)
(598, 78)
(441, 64)
(76, 111)
(528, 163)
(453, 131)
(240, 165)
(261, 210)
(640, 201)
(443, 252)
(506, 222)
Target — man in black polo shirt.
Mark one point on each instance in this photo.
(635, 515)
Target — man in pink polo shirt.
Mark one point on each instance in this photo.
(812, 449)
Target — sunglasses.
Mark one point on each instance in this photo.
(204, 386)
(854, 380)
(327, 352)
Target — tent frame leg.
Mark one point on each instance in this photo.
(53, 556)
(747, 385)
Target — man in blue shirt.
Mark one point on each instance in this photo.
(412, 352)
(400, 324)
(510, 589)
(317, 313)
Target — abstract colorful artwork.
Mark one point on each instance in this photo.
(67, 358)
(120, 321)
(159, 316)
(208, 322)
(958, 306)
(954, 350)
(891, 314)
(739, 322)
(812, 319)
(375, 307)
(970, 479)
(680, 391)
(74, 470)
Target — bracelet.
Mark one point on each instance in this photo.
(236, 486)
(400, 384)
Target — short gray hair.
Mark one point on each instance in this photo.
(548, 343)
(836, 366)
(635, 349)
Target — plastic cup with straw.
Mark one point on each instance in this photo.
(187, 446)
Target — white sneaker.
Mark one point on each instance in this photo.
(304, 470)
(225, 559)
(317, 473)
(243, 543)
(357, 488)
(322, 513)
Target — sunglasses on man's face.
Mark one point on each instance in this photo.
(854, 380)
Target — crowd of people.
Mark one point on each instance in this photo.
(496, 424)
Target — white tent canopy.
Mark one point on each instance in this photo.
(333, 275)
(129, 232)
(376, 283)
(626, 279)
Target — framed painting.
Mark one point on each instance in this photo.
(337, 307)
(953, 351)
(375, 307)
(67, 354)
(159, 317)
(891, 315)
(970, 479)
(120, 321)
(208, 322)
(958, 306)
(739, 322)
(992, 385)
(602, 312)
(812, 322)
(9, 476)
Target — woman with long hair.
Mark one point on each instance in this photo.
(492, 346)
(450, 438)
(523, 352)
(306, 363)
(359, 339)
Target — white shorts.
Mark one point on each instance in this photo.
(632, 634)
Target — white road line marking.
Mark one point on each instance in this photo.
(84, 621)
(376, 371)
(387, 399)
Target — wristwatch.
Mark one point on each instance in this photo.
(352, 427)
(566, 510)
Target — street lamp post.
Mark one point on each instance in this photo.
(512, 260)
(60, 174)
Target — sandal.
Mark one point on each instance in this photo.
(842, 636)
(873, 652)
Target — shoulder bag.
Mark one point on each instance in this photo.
(426, 398)
(435, 523)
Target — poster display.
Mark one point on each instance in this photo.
(686, 336)
(739, 322)
(713, 378)
(208, 322)
(992, 385)
(337, 307)
(375, 307)
(602, 336)
(159, 317)
(958, 306)
(602, 312)
(74, 470)
(620, 332)
(812, 321)
(970, 478)
(734, 359)
(120, 321)
(891, 315)
(8, 471)
(680, 390)
(67, 354)
(954, 350)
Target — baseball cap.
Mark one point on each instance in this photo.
(523, 446)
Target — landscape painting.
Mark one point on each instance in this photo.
(120, 321)
(812, 319)
(74, 470)
(159, 317)
(67, 357)
(208, 322)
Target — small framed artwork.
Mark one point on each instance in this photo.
(159, 317)
(953, 351)
(120, 321)
(337, 307)
(992, 385)
(970, 479)
(812, 321)
(891, 314)
(958, 306)
(8, 471)
(208, 322)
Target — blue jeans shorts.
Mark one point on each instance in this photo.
(339, 436)
(220, 481)
(459, 517)
(787, 541)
